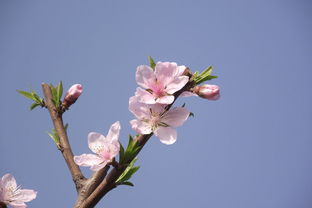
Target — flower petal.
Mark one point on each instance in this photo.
(113, 133)
(144, 96)
(175, 116)
(95, 142)
(165, 72)
(141, 127)
(145, 76)
(188, 94)
(177, 84)
(181, 70)
(167, 135)
(9, 182)
(140, 110)
(88, 160)
(25, 195)
(99, 166)
(17, 204)
(165, 99)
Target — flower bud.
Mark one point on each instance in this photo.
(72, 95)
(210, 92)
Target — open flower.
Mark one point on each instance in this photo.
(105, 149)
(13, 195)
(154, 118)
(159, 85)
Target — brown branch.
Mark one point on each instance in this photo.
(65, 148)
(90, 185)
(109, 181)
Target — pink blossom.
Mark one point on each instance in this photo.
(159, 85)
(13, 195)
(105, 149)
(72, 95)
(154, 118)
(210, 92)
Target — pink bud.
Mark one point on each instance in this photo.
(72, 95)
(210, 92)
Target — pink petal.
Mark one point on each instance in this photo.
(25, 195)
(167, 135)
(140, 110)
(144, 96)
(99, 166)
(113, 133)
(165, 72)
(181, 69)
(187, 94)
(111, 149)
(15, 204)
(145, 76)
(177, 84)
(8, 180)
(165, 99)
(175, 116)
(95, 142)
(88, 160)
(141, 127)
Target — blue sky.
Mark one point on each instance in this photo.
(252, 148)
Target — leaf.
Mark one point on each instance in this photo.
(33, 106)
(59, 90)
(26, 94)
(121, 153)
(129, 171)
(128, 183)
(54, 136)
(151, 62)
(204, 76)
(54, 96)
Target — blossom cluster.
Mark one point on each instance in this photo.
(149, 105)
(150, 102)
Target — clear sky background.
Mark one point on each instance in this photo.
(250, 149)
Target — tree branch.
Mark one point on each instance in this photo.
(65, 148)
(90, 185)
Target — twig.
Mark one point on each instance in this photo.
(65, 148)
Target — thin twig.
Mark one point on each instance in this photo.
(65, 148)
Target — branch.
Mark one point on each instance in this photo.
(109, 182)
(90, 185)
(65, 148)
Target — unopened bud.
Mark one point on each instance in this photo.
(210, 92)
(72, 95)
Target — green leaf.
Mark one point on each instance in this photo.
(26, 94)
(121, 153)
(129, 171)
(59, 90)
(128, 183)
(54, 96)
(54, 137)
(33, 106)
(151, 62)
(204, 76)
